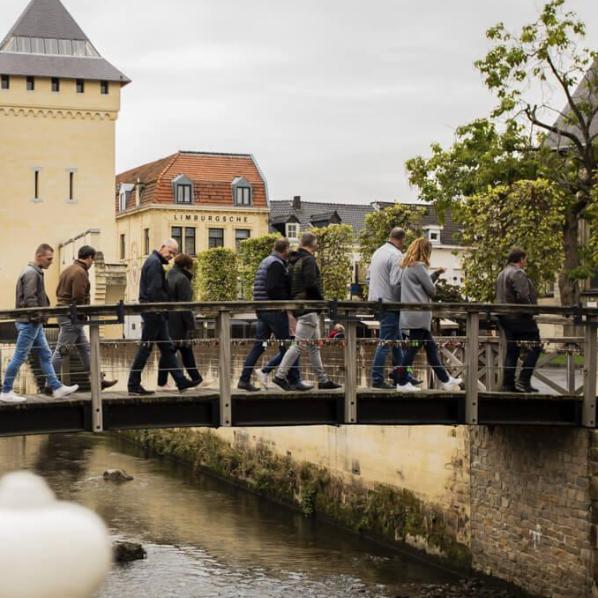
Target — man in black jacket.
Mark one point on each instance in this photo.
(306, 283)
(153, 288)
(271, 284)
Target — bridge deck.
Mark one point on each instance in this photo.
(200, 408)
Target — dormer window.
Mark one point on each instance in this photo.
(433, 234)
(292, 230)
(124, 192)
(183, 189)
(242, 195)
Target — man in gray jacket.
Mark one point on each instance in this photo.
(31, 292)
(383, 280)
(513, 285)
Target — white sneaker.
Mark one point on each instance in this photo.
(64, 391)
(451, 384)
(263, 379)
(11, 397)
(408, 387)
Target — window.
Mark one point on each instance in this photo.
(292, 230)
(146, 241)
(124, 192)
(122, 247)
(104, 87)
(240, 235)
(30, 83)
(216, 237)
(241, 191)
(433, 234)
(36, 184)
(55, 84)
(80, 86)
(183, 193)
(176, 232)
(190, 240)
(71, 185)
(4, 82)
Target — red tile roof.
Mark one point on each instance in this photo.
(212, 175)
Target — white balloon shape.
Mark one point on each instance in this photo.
(48, 548)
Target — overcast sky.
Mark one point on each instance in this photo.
(331, 96)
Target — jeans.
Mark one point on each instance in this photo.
(189, 364)
(71, 336)
(30, 336)
(308, 329)
(522, 329)
(389, 331)
(155, 330)
(418, 336)
(270, 323)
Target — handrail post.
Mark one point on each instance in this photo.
(471, 362)
(224, 354)
(95, 378)
(490, 368)
(350, 350)
(589, 373)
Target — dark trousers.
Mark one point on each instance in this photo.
(515, 330)
(418, 337)
(270, 323)
(186, 352)
(155, 330)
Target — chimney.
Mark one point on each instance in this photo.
(297, 202)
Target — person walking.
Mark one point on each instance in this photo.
(383, 279)
(513, 285)
(272, 283)
(417, 286)
(74, 289)
(306, 284)
(31, 292)
(153, 288)
(181, 324)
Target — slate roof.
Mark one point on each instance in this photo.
(50, 20)
(212, 175)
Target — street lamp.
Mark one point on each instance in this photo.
(48, 548)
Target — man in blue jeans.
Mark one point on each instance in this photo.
(383, 280)
(271, 284)
(31, 292)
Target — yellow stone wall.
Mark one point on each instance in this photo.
(160, 220)
(55, 133)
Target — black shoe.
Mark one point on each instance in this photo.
(188, 384)
(328, 385)
(508, 388)
(140, 391)
(414, 381)
(282, 383)
(384, 386)
(47, 391)
(108, 384)
(302, 386)
(247, 386)
(525, 387)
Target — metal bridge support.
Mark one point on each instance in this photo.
(589, 373)
(224, 354)
(350, 372)
(471, 372)
(95, 379)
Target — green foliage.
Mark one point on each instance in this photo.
(216, 275)
(379, 224)
(335, 248)
(251, 252)
(448, 293)
(529, 214)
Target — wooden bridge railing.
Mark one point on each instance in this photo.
(350, 314)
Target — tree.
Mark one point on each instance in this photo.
(529, 214)
(216, 275)
(251, 252)
(518, 69)
(335, 249)
(378, 225)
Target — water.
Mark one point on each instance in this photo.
(205, 538)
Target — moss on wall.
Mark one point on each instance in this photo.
(386, 512)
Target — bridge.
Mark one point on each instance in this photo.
(475, 352)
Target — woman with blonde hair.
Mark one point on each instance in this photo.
(418, 286)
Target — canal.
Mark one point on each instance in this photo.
(206, 538)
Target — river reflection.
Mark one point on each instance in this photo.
(204, 537)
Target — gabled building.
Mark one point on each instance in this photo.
(59, 101)
(200, 199)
